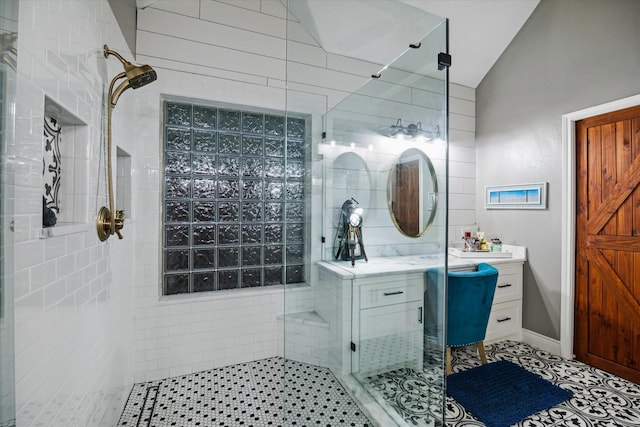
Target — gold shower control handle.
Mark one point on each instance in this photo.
(104, 225)
(119, 222)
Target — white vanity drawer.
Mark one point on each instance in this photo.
(505, 320)
(386, 293)
(509, 286)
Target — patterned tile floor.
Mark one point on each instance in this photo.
(600, 399)
(415, 396)
(275, 392)
(269, 392)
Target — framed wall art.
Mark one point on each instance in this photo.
(522, 196)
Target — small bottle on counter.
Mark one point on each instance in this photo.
(496, 245)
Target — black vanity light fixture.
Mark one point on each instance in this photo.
(397, 130)
(411, 131)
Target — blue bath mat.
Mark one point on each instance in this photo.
(502, 393)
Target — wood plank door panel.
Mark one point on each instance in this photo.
(407, 193)
(607, 304)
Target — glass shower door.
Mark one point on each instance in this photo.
(8, 65)
(372, 308)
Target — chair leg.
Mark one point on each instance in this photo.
(448, 360)
(481, 353)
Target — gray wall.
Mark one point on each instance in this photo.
(570, 55)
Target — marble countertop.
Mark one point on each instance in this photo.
(416, 263)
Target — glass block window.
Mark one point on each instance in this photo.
(234, 198)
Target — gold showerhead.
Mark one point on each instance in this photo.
(140, 76)
(136, 76)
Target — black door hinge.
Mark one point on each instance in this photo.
(444, 60)
(353, 346)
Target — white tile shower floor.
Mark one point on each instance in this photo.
(269, 392)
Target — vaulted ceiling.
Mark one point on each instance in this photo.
(373, 30)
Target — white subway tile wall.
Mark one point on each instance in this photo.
(90, 319)
(72, 344)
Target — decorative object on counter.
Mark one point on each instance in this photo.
(496, 245)
(525, 196)
(483, 246)
(349, 233)
(475, 243)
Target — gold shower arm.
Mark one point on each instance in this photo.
(106, 51)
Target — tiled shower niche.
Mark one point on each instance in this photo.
(65, 168)
(52, 167)
(234, 191)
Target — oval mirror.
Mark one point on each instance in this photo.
(412, 193)
(351, 178)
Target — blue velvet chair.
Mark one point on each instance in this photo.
(469, 299)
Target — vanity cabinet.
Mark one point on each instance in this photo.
(387, 323)
(377, 311)
(505, 320)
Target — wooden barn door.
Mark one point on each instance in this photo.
(607, 306)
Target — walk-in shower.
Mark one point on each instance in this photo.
(110, 221)
(228, 271)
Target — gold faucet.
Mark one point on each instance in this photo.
(106, 226)
(119, 222)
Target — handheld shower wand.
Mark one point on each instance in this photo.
(111, 221)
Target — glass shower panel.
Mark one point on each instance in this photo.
(371, 309)
(8, 66)
(394, 131)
